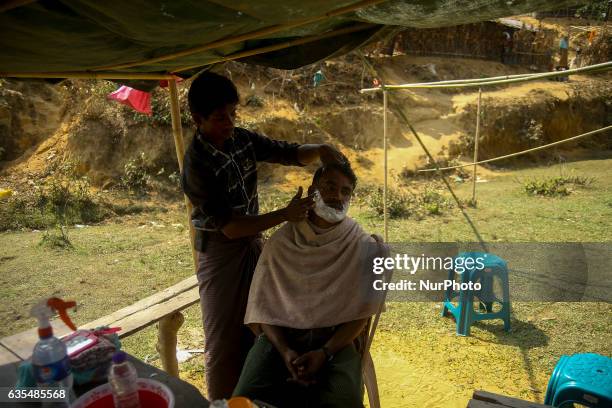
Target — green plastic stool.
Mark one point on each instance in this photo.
(464, 313)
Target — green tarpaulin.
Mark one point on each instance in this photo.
(79, 35)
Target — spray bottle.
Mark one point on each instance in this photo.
(50, 363)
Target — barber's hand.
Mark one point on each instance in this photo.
(298, 207)
(309, 364)
(329, 154)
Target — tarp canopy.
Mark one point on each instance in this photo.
(131, 36)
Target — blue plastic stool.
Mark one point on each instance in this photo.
(582, 378)
(494, 267)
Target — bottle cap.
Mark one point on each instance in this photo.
(119, 357)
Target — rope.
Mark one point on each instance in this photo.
(468, 83)
(594, 132)
(418, 138)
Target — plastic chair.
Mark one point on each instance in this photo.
(493, 268)
(584, 378)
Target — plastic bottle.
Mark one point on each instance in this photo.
(123, 382)
(50, 363)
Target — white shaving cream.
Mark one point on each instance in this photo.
(329, 214)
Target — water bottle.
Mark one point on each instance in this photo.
(123, 382)
(52, 368)
(50, 363)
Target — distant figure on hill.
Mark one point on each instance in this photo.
(506, 57)
(577, 60)
(563, 49)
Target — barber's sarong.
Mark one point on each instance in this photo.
(224, 272)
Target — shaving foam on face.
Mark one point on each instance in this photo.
(329, 214)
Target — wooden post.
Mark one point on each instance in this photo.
(476, 147)
(168, 327)
(179, 145)
(385, 216)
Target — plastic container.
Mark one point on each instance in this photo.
(122, 378)
(152, 394)
(51, 367)
(50, 362)
(240, 402)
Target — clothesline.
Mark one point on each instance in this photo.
(479, 82)
(594, 132)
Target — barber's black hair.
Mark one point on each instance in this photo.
(210, 91)
(344, 168)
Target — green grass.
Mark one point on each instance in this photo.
(110, 266)
(419, 359)
(505, 213)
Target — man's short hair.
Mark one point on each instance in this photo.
(344, 168)
(210, 91)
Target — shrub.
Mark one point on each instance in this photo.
(62, 198)
(56, 240)
(402, 204)
(255, 101)
(175, 179)
(136, 178)
(398, 204)
(555, 186)
(433, 202)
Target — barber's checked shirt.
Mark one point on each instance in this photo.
(222, 183)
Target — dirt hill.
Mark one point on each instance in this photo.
(42, 123)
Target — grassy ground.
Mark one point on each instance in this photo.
(420, 361)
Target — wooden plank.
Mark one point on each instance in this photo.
(144, 304)
(7, 357)
(131, 318)
(9, 364)
(503, 401)
(482, 404)
(23, 343)
(136, 322)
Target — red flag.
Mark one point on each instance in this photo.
(137, 100)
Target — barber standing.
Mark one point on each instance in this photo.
(220, 179)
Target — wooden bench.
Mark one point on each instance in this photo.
(484, 399)
(163, 307)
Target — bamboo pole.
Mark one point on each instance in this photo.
(88, 75)
(569, 139)
(484, 82)
(179, 145)
(476, 147)
(247, 36)
(385, 209)
(169, 325)
(276, 47)
(455, 81)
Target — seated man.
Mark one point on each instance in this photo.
(310, 299)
